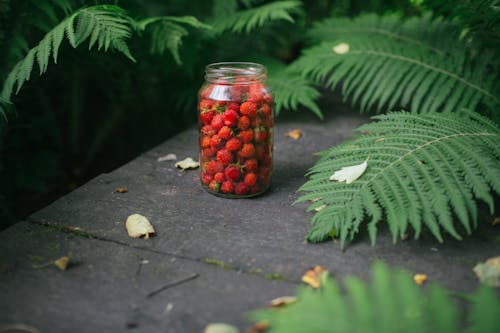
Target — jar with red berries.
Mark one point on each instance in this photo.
(235, 117)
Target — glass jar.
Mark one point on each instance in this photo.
(235, 118)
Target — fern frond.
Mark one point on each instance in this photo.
(390, 303)
(167, 32)
(290, 89)
(387, 66)
(249, 19)
(106, 25)
(422, 171)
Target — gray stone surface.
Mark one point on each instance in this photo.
(257, 237)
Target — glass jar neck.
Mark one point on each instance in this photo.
(235, 72)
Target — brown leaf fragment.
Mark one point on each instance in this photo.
(489, 272)
(121, 190)
(294, 134)
(282, 301)
(419, 279)
(495, 220)
(259, 327)
(314, 276)
(379, 140)
(138, 226)
(62, 263)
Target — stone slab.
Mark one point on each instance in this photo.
(106, 287)
(264, 234)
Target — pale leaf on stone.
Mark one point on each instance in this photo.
(187, 163)
(139, 226)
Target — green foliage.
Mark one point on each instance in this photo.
(423, 170)
(249, 19)
(391, 303)
(419, 63)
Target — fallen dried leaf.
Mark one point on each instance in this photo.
(341, 48)
(187, 163)
(420, 279)
(495, 221)
(259, 327)
(350, 173)
(281, 301)
(314, 276)
(220, 328)
(62, 263)
(294, 134)
(489, 272)
(168, 157)
(121, 190)
(138, 226)
(317, 209)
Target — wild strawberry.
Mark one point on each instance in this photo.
(261, 152)
(212, 167)
(220, 106)
(205, 142)
(230, 118)
(216, 141)
(206, 153)
(260, 134)
(241, 189)
(251, 165)
(224, 156)
(205, 93)
(233, 106)
(266, 109)
(244, 122)
(268, 98)
(207, 130)
(225, 133)
(250, 179)
(249, 109)
(255, 93)
(214, 186)
(219, 177)
(227, 187)
(246, 136)
(247, 150)
(233, 144)
(232, 172)
(206, 178)
(207, 116)
(206, 104)
(217, 122)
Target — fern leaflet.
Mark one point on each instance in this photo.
(391, 303)
(421, 170)
(384, 66)
(249, 19)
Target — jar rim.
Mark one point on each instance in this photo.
(226, 72)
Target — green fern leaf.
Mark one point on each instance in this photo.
(108, 25)
(249, 19)
(422, 171)
(391, 303)
(385, 64)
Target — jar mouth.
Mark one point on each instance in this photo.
(235, 72)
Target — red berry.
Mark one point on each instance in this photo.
(207, 130)
(254, 189)
(266, 109)
(214, 186)
(212, 167)
(206, 104)
(250, 179)
(220, 106)
(233, 144)
(205, 93)
(232, 172)
(251, 165)
(244, 122)
(206, 178)
(225, 133)
(216, 141)
(207, 116)
(241, 189)
(205, 142)
(233, 106)
(219, 177)
(217, 122)
(261, 152)
(208, 152)
(248, 150)
(227, 187)
(249, 109)
(230, 118)
(255, 93)
(260, 134)
(224, 156)
(246, 136)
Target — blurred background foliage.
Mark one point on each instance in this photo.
(93, 110)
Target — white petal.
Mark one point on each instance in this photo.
(138, 226)
(187, 163)
(350, 174)
(341, 48)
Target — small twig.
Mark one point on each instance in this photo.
(173, 284)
